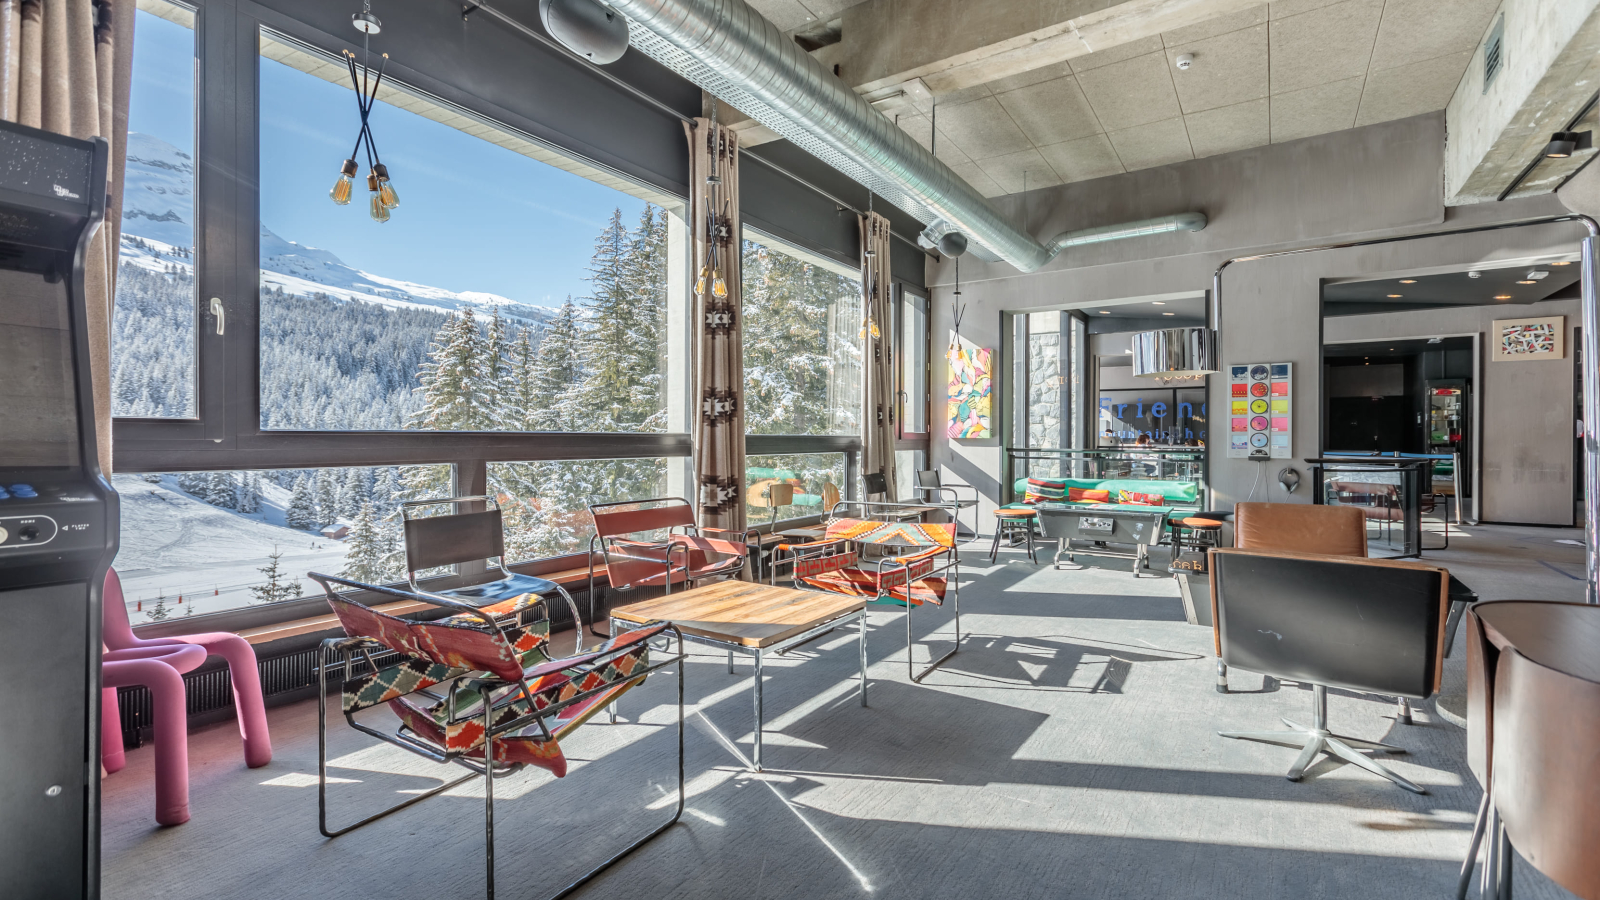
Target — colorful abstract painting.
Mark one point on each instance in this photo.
(1529, 339)
(971, 391)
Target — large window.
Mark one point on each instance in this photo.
(912, 353)
(803, 320)
(201, 542)
(804, 479)
(546, 503)
(502, 294)
(153, 329)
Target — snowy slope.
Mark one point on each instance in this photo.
(174, 544)
(158, 230)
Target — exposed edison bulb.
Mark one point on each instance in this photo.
(342, 188)
(719, 288)
(385, 189)
(700, 283)
(375, 207)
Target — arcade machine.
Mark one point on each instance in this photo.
(58, 519)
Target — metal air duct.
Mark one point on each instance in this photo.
(732, 52)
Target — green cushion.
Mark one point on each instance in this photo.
(1173, 491)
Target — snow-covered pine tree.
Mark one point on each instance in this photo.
(386, 496)
(196, 483)
(365, 560)
(302, 511)
(159, 611)
(496, 374)
(353, 492)
(249, 493)
(451, 380)
(279, 585)
(327, 494)
(556, 372)
(220, 491)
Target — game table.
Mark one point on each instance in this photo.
(1103, 524)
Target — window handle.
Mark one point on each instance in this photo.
(216, 310)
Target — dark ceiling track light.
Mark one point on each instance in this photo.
(365, 82)
(1564, 143)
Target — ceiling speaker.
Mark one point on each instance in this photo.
(592, 30)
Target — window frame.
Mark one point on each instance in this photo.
(903, 398)
(226, 433)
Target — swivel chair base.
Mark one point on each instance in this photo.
(1318, 739)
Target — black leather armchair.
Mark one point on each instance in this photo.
(1367, 625)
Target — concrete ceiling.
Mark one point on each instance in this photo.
(1263, 73)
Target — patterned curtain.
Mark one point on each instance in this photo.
(719, 346)
(66, 66)
(878, 407)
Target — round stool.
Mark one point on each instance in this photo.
(1204, 533)
(1007, 521)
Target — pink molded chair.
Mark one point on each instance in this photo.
(247, 700)
(160, 669)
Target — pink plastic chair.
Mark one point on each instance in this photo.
(247, 700)
(160, 669)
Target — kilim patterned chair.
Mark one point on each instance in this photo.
(835, 563)
(678, 557)
(477, 689)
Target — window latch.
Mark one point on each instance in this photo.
(216, 310)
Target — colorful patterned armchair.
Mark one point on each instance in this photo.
(477, 688)
(915, 564)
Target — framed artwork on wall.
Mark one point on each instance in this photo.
(971, 391)
(1518, 340)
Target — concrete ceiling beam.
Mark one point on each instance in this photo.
(956, 44)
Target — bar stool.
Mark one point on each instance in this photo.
(1007, 521)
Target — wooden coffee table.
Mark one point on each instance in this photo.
(752, 619)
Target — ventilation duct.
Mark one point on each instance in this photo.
(730, 51)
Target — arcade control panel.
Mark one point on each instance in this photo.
(48, 517)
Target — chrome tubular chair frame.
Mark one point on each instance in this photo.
(499, 564)
(350, 648)
(885, 566)
(597, 541)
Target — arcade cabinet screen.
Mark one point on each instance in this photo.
(38, 410)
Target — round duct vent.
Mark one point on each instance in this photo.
(592, 30)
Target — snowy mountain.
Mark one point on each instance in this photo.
(158, 233)
(158, 196)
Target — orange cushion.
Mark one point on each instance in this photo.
(1088, 495)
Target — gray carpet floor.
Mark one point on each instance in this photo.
(1069, 750)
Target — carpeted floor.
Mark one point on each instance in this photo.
(1068, 750)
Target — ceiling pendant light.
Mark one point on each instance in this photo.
(365, 82)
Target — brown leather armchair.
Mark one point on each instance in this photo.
(1300, 528)
(1292, 528)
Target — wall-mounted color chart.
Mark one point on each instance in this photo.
(1260, 420)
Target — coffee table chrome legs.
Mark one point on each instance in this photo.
(759, 654)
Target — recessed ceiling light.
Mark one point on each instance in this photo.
(1502, 296)
(1526, 282)
(1158, 303)
(1408, 281)
(1105, 312)
(1169, 314)
(1564, 262)
(1474, 274)
(1394, 296)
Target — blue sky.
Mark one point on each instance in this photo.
(472, 216)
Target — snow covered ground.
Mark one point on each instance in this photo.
(174, 544)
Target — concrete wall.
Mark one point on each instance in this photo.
(1526, 423)
(1367, 182)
